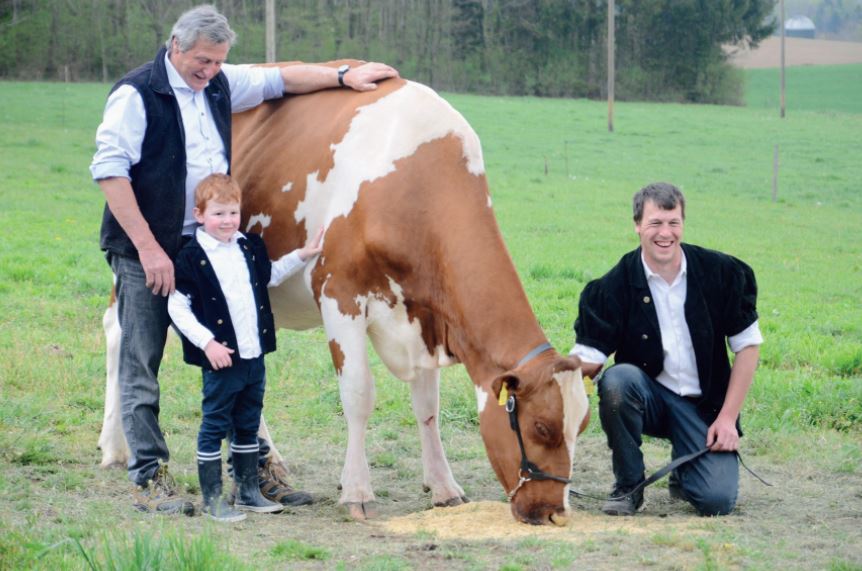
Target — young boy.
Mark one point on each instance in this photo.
(221, 307)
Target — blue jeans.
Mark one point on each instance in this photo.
(632, 404)
(144, 322)
(232, 400)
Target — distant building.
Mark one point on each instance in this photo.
(799, 27)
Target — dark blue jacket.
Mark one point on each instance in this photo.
(616, 314)
(196, 279)
(159, 178)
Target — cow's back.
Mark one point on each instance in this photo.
(326, 159)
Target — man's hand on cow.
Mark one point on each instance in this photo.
(159, 270)
(218, 355)
(312, 247)
(722, 436)
(366, 76)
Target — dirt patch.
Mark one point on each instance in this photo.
(797, 51)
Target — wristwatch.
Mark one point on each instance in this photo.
(341, 71)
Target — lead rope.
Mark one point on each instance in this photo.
(661, 473)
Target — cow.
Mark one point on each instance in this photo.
(413, 260)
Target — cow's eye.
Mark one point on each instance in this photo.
(543, 431)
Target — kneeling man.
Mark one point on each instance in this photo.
(668, 311)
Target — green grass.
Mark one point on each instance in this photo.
(563, 228)
(827, 88)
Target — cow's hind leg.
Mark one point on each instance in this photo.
(112, 441)
(425, 395)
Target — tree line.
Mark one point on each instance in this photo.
(665, 49)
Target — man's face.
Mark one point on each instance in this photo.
(660, 232)
(199, 64)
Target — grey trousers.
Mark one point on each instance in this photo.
(632, 404)
(144, 322)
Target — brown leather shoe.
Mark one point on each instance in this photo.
(274, 486)
(160, 496)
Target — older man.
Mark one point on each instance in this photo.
(668, 310)
(167, 126)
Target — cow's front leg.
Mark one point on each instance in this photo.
(112, 440)
(425, 395)
(347, 343)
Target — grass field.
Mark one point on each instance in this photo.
(824, 88)
(561, 186)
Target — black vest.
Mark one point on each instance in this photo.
(159, 178)
(617, 315)
(197, 280)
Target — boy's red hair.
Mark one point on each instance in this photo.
(219, 188)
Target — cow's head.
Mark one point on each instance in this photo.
(552, 409)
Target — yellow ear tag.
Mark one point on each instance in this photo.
(504, 395)
(589, 387)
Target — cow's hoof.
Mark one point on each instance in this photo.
(452, 502)
(361, 511)
(108, 465)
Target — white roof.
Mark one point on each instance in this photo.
(799, 23)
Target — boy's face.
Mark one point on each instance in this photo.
(220, 219)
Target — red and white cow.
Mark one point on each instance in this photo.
(414, 261)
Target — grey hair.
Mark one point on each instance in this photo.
(663, 194)
(201, 22)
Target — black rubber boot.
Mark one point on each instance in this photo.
(248, 497)
(215, 505)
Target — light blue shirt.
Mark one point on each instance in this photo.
(121, 134)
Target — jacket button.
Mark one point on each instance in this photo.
(224, 343)
(644, 365)
(644, 336)
(203, 262)
(646, 299)
(214, 299)
(261, 308)
(264, 330)
(220, 321)
(252, 258)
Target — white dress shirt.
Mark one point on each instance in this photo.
(680, 367)
(120, 136)
(229, 264)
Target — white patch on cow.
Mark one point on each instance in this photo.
(263, 219)
(397, 339)
(381, 133)
(481, 398)
(575, 406)
(287, 188)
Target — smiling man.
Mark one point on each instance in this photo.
(167, 126)
(668, 311)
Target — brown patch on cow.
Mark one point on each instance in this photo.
(337, 356)
(270, 149)
(405, 226)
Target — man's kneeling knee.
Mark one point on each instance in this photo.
(713, 503)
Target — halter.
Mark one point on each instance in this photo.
(527, 471)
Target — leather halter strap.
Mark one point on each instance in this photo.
(535, 352)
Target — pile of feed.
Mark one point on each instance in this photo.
(493, 520)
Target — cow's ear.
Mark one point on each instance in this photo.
(507, 380)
